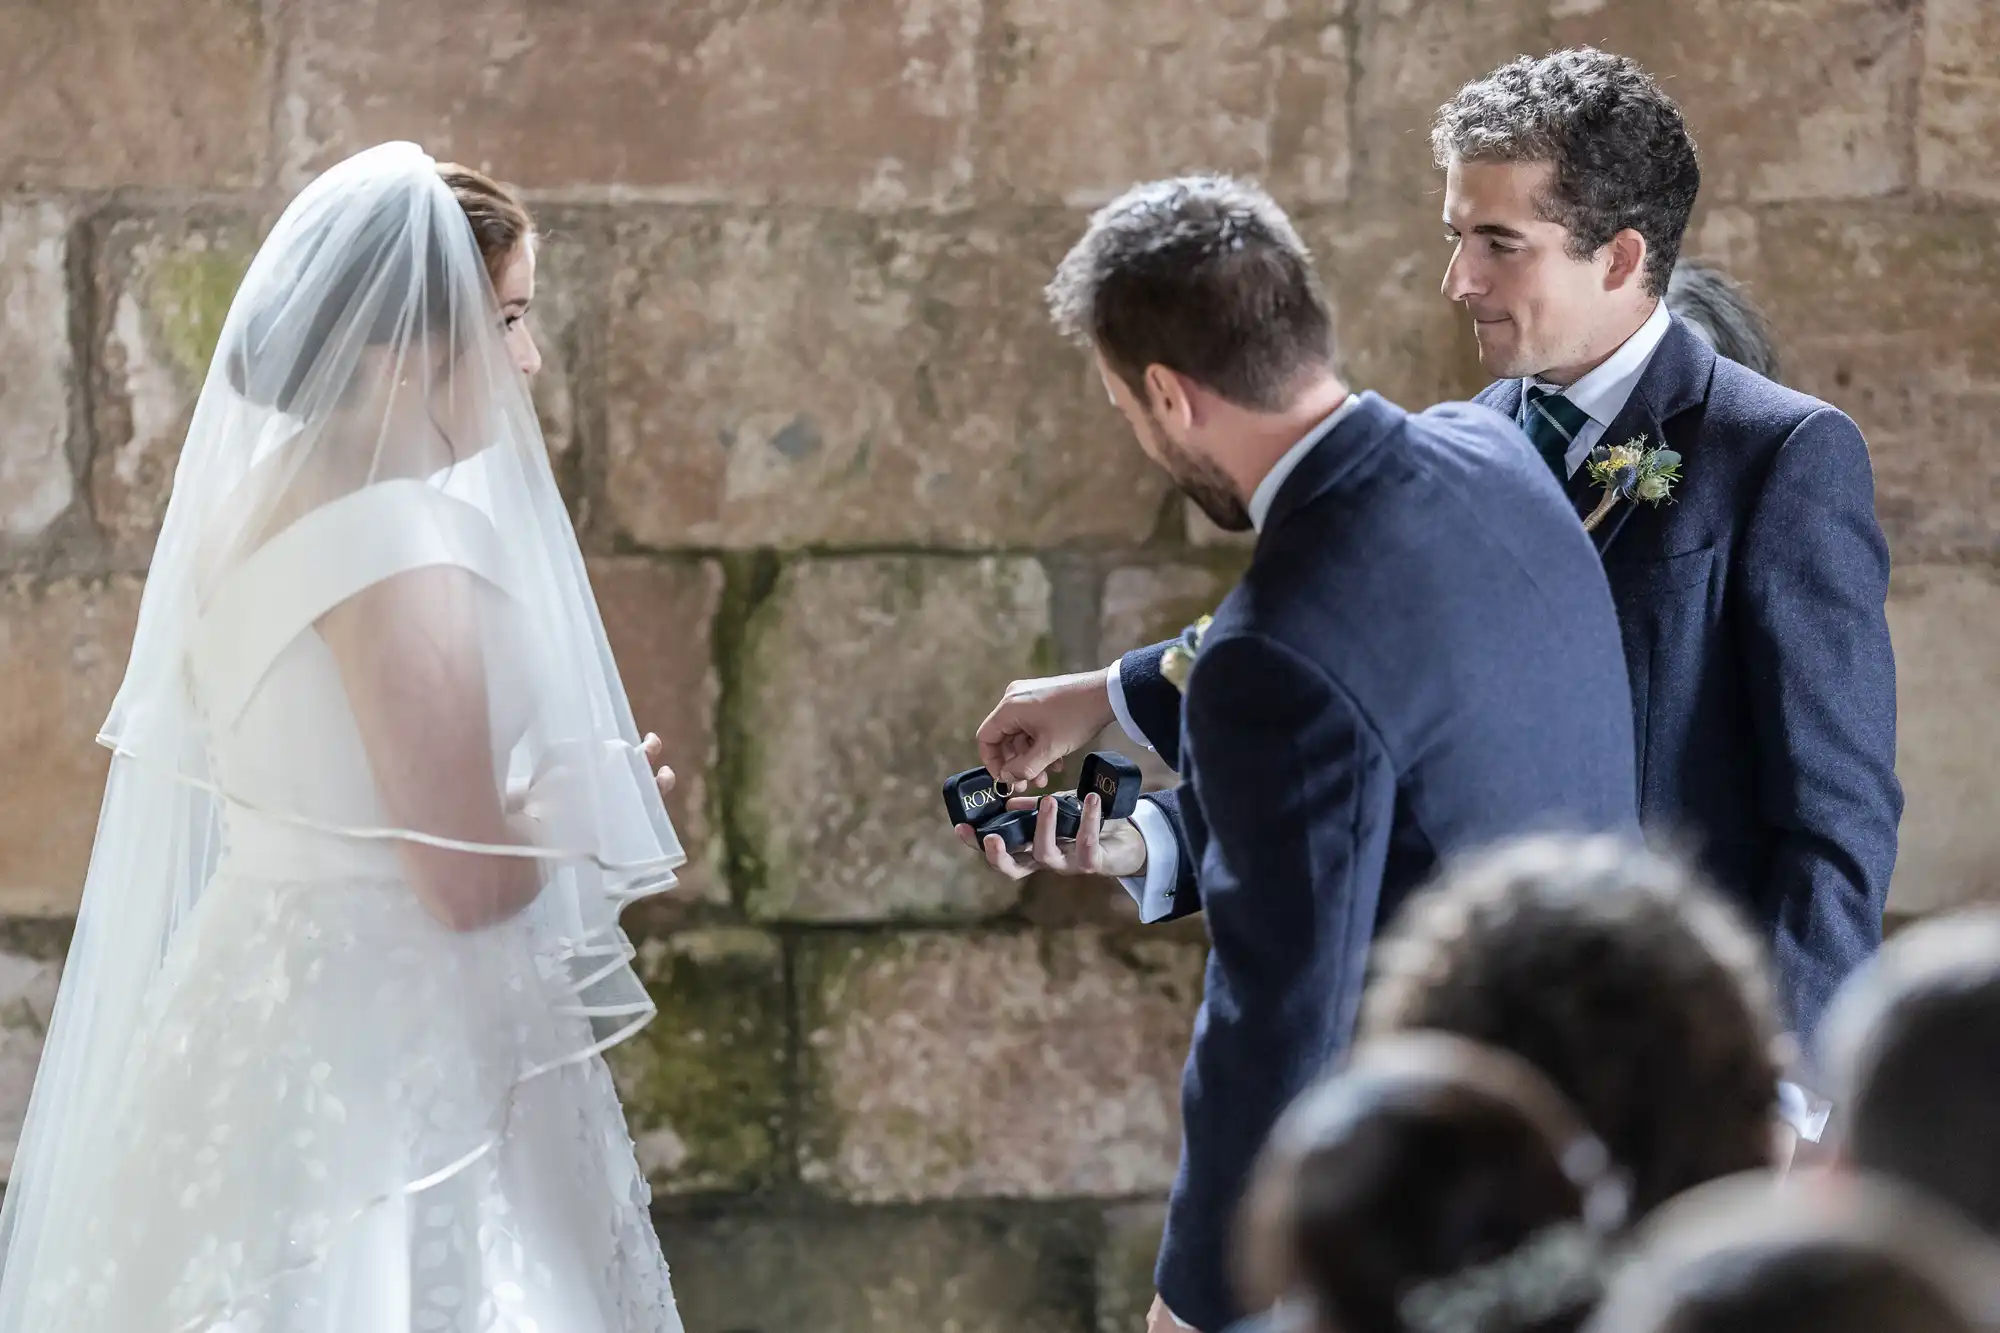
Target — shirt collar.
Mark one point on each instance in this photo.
(1603, 393)
(1266, 493)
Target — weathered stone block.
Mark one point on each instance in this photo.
(1787, 101)
(818, 379)
(792, 101)
(869, 1270)
(1383, 263)
(1038, 1065)
(31, 956)
(1088, 99)
(1125, 1266)
(1870, 309)
(64, 644)
(1946, 625)
(101, 93)
(1412, 55)
(37, 481)
(1958, 125)
(704, 1083)
(165, 286)
(658, 616)
(861, 684)
(1144, 604)
(563, 323)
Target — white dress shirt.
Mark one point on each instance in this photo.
(1163, 856)
(1603, 393)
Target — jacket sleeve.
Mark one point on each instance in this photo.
(1822, 681)
(1152, 701)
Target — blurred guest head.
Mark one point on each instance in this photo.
(1747, 1255)
(1912, 1045)
(1716, 307)
(1204, 312)
(1432, 1184)
(1569, 179)
(1612, 970)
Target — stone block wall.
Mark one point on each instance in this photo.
(838, 482)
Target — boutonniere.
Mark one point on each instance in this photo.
(1179, 659)
(1633, 473)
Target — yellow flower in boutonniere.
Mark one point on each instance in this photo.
(1179, 659)
(1631, 472)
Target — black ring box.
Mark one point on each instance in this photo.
(972, 797)
(1115, 779)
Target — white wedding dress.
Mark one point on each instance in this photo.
(337, 1118)
(327, 1055)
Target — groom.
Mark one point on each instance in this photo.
(1752, 605)
(1421, 657)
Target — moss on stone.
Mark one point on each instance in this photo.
(188, 296)
(743, 615)
(1125, 1263)
(705, 1083)
(826, 970)
(45, 939)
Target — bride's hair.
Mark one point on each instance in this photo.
(1435, 1186)
(383, 255)
(500, 221)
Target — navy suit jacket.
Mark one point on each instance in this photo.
(1763, 684)
(1422, 657)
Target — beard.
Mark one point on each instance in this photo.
(1200, 480)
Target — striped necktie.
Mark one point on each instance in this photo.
(1552, 425)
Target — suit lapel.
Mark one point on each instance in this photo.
(1675, 381)
(1635, 420)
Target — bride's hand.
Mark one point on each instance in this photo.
(664, 776)
(1114, 848)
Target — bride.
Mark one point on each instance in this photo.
(327, 1052)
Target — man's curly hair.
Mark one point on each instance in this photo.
(1622, 153)
(1613, 970)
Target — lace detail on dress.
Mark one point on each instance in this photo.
(319, 1050)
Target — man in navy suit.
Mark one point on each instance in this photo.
(1751, 605)
(1422, 657)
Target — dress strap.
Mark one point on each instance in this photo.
(326, 557)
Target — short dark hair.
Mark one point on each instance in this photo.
(1913, 1044)
(1718, 308)
(1622, 153)
(1612, 969)
(1749, 1256)
(1427, 1172)
(1204, 275)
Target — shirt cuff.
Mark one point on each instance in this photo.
(1114, 685)
(1805, 1112)
(1154, 890)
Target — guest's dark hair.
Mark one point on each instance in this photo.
(1913, 1044)
(1748, 1256)
(1203, 275)
(1718, 308)
(1617, 974)
(1620, 147)
(1432, 1184)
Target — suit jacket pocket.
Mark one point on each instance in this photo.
(1651, 578)
(1663, 614)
